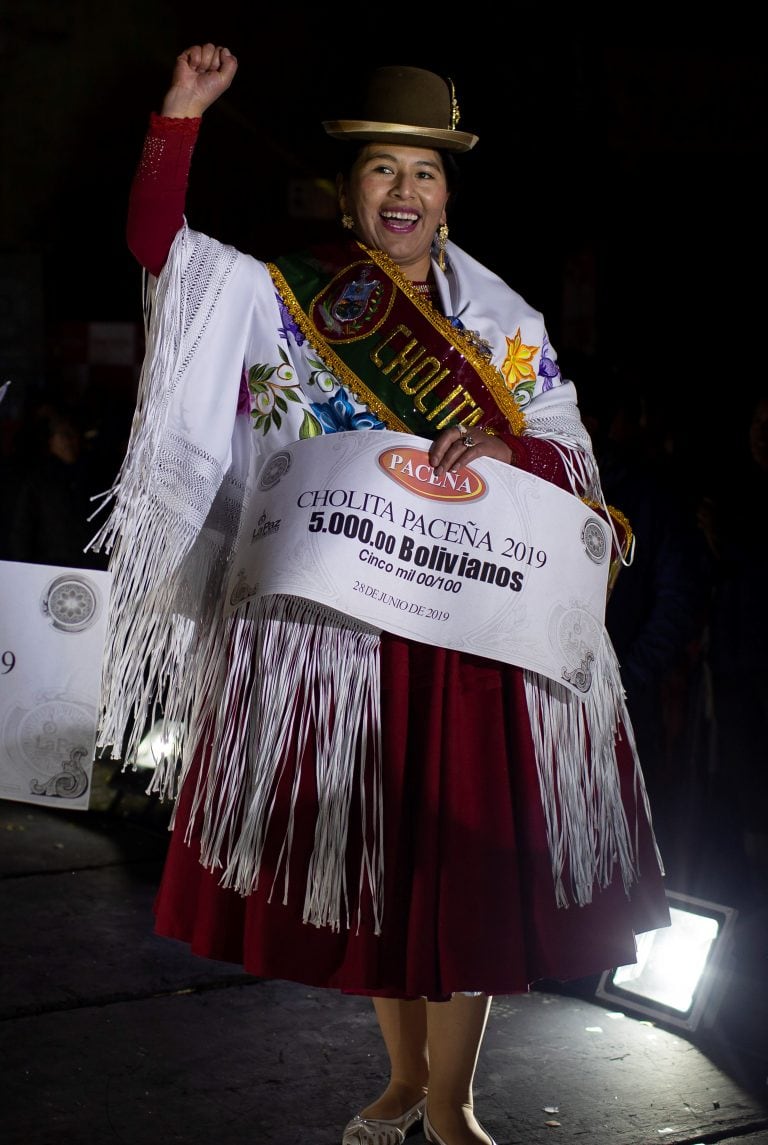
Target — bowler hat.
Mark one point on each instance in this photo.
(406, 105)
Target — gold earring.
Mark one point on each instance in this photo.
(442, 239)
(347, 221)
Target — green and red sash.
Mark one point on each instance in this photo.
(393, 350)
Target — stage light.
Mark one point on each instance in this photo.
(681, 970)
(162, 739)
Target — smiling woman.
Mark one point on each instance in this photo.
(437, 810)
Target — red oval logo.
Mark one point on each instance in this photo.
(410, 468)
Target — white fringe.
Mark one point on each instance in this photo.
(147, 640)
(575, 744)
(166, 536)
(288, 667)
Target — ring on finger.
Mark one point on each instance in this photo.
(468, 440)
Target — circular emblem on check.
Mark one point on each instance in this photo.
(72, 602)
(593, 539)
(275, 469)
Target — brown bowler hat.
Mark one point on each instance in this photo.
(409, 106)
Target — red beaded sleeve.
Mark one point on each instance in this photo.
(535, 456)
(159, 189)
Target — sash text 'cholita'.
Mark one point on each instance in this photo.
(418, 373)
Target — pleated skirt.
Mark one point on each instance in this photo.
(469, 901)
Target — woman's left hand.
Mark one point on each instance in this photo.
(458, 446)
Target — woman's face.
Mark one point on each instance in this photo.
(397, 198)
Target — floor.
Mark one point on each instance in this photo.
(109, 1034)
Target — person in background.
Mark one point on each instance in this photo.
(51, 499)
(454, 827)
(732, 518)
(657, 612)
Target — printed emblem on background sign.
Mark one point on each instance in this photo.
(410, 468)
(69, 783)
(48, 742)
(72, 602)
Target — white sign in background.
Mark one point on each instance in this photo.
(490, 560)
(52, 632)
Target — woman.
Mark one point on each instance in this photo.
(437, 864)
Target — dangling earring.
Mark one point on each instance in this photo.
(442, 239)
(347, 222)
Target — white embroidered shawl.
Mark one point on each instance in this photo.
(251, 686)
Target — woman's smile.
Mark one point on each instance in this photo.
(399, 222)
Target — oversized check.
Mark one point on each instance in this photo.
(488, 559)
(52, 632)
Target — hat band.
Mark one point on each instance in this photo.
(446, 137)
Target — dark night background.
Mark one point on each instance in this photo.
(616, 183)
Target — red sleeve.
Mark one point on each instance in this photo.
(539, 457)
(159, 189)
(532, 454)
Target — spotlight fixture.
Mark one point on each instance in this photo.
(160, 741)
(681, 970)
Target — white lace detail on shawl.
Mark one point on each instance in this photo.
(168, 545)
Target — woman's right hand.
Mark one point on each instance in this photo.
(202, 73)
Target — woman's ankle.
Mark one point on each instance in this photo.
(396, 1100)
(456, 1121)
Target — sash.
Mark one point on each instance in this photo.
(415, 370)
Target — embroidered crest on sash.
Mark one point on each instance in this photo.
(354, 303)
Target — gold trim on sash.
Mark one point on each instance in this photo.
(487, 376)
(491, 377)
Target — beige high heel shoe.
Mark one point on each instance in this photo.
(380, 1130)
(432, 1135)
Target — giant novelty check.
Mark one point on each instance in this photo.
(488, 559)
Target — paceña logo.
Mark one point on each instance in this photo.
(411, 469)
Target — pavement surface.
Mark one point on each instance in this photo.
(110, 1034)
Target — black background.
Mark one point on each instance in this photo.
(636, 151)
